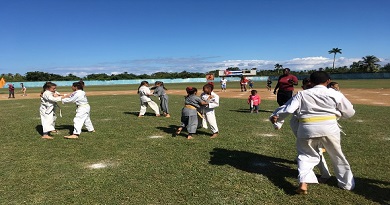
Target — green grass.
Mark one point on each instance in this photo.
(245, 165)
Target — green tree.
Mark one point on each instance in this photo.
(278, 67)
(370, 63)
(335, 51)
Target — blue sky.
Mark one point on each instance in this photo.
(147, 36)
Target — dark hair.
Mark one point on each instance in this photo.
(253, 92)
(305, 81)
(209, 85)
(319, 77)
(78, 85)
(287, 69)
(142, 83)
(191, 90)
(160, 83)
(331, 84)
(47, 85)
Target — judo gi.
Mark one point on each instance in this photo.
(209, 112)
(317, 110)
(144, 92)
(82, 112)
(47, 111)
(160, 93)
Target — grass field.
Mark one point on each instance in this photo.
(250, 163)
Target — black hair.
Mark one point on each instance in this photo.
(305, 81)
(78, 85)
(161, 84)
(253, 92)
(210, 85)
(191, 90)
(142, 83)
(47, 85)
(331, 84)
(319, 77)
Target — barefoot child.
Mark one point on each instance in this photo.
(82, 112)
(159, 91)
(189, 113)
(209, 96)
(47, 109)
(144, 93)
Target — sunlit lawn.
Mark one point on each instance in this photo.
(250, 163)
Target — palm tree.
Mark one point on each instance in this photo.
(278, 67)
(335, 51)
(370, 63)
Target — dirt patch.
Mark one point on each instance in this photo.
(379, 97)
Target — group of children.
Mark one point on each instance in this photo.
(49, 99)
(195, 107)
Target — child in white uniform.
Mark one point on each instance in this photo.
(47, 109)
(82, 112)
(144, 93)
(213, 99)
(317, 110)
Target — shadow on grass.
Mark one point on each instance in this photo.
(371, 189)
(271, 167)
(39, 129)
(248, 111)
(171, 129)
(137, 113)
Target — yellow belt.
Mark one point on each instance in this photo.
(194, 108)
(190, 107)
(317, 119)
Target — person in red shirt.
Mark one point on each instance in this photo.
(285, 86)
(243, 83)
(254, 101)
(11, 91)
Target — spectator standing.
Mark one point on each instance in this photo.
(285, 86)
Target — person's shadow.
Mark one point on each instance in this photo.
(39, 129)
(171, 129)
(275, 169)
(371, 189)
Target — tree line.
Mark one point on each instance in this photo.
(368, 64)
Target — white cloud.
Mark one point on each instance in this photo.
(202, 65)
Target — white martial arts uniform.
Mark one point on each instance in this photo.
(82, 112)
(209, 110)
(144, 93)
(47, 111)
(317, 110)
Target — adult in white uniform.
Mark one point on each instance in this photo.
(82, 112)
(317, 110)
(144, 93)
(213, 99)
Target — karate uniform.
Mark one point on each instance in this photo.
(317, 110)
(47, 111)
(144, 91)
(82, 112)
(160, 93)
(209, 112)
(189, 113)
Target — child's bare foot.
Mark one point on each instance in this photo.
(178, 131)
(71, 137)
(302, 189)
(47, 137)
(167, 115)
(189, 137)
(214, 135)
(140, 115)
(92, 131)
(54, 131)
(157, 115)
